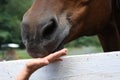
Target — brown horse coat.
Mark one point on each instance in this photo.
(49, 24)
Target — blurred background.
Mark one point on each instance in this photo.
(11, 46)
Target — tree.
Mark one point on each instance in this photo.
(11, 12)
(84, 41)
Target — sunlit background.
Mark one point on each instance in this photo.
(11, 12)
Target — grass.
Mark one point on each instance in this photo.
(22, 54)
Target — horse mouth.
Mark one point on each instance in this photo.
(38, 53)
(61, 46)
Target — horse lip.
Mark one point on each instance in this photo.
(60, 46)
(36, 55)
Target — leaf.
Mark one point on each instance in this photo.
(4, 34)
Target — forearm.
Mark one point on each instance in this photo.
(24, 74)
(30, 67)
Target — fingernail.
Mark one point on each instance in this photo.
(65, 49)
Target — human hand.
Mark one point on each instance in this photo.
(36, 63)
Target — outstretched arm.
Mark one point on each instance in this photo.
(37, 63)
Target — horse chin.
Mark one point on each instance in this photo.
(40, 51)
(37, 55)
(34, 54)
(43, 54)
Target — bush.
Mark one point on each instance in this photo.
(84, 41)
(11, 12)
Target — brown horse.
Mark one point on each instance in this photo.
(49, 24)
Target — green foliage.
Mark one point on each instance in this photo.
(84, 41)
(22, 54)
(4, 36)
(11, 12)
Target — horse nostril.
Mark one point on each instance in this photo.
(49, 28)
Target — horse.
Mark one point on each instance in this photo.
(49, 24)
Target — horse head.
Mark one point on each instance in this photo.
(49, 24)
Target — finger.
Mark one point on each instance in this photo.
(39, 62)
(58, 59)
(56, 55)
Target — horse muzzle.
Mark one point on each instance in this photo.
(45, 37)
